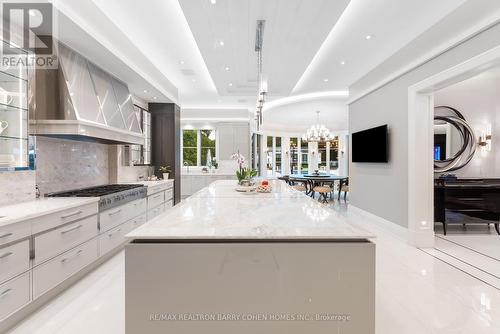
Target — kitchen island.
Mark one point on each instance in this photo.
(230, 262)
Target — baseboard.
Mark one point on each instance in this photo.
(420, 239)
(397, 230)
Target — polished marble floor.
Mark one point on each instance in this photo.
(416, 293)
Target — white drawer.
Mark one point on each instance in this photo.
(14, 232)
(156, 211)
(53, 272)
(14, 260)
(112, 238)
(169, 195)
(14, 294)
(156, 199)
(57, 241)
(136, 222)
(63, 217)
(169, 205)
(119, 215)
(161, 187)
(138, 207)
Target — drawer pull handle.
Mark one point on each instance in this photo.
(4, 255)
(5, 293)
(72, 229)
(72, 214)
(5, 235)
(66, 259)
(111, 234)
(156, 196)
(114, 213)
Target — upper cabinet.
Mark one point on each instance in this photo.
(14, 140)
(233, 138)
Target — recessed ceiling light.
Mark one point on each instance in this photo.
(32, 12)
(213, 2)
(227, 68)
(145, 91)
(342, 62)
(368, 36)
(154, 97)
(182, 62)
(325, 80)
(221, 43)
(193, 80)
(230, 84)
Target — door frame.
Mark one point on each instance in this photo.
(420, 140)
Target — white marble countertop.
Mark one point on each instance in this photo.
(150, 183)
(199, 173)
(219, 212)
(11, 214)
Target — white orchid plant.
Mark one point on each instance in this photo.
(243, 173)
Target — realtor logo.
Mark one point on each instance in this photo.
(35, 19)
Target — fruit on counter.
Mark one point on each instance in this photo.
(264, 183)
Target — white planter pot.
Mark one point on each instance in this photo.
(165, 176)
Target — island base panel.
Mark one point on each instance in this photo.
(265, 287)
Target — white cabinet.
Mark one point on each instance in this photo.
(44, 223)
(53, 272)
(112, 239)
(157, 197)
(14, 260)
(55, 242)
(118, 215)
(14, 232)
(38, 254)
(233, 137)
(197, 182)
(14, 294)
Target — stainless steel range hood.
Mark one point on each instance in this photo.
(81, 101)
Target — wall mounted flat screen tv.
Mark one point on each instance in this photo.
(370, 145)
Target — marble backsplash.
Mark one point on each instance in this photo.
(68, 164)
(17, 187)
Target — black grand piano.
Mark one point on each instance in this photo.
(474, 198)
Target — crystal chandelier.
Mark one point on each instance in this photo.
(317, 133)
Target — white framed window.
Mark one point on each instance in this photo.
(198, 147)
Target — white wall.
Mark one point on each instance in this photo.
(478, 99)
(382, 189)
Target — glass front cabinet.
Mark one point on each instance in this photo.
(14, 136)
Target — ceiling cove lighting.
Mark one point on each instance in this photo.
(213, 2)
(318, 132)
(306, 97)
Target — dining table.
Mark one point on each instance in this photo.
(312, 180)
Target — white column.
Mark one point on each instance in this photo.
(285, 155)
(312, 157)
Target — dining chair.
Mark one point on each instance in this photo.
(323, 192)
(345, 188)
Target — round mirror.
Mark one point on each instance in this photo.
(454, 140)
(448, 140)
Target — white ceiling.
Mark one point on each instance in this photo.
(391, 24)
(294, 31)
(297, 117)
(173, 47)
